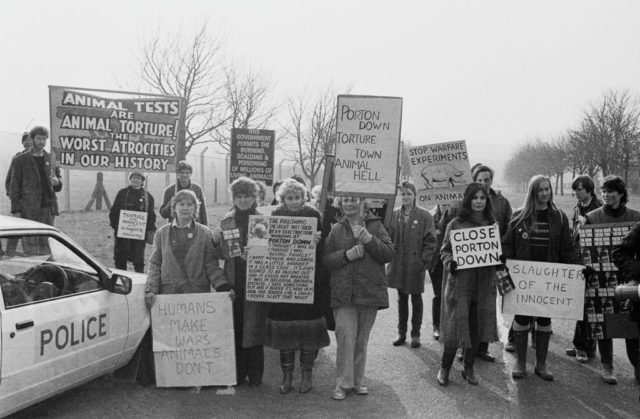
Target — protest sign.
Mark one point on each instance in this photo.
(367, 145)
(602, 311)
(476, 247)
(115, 130)
(545, 289)
(282, 259)
(251, 154)
(193, 342)
(441, 172)
(132, 225)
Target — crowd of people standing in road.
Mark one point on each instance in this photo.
(358, 258)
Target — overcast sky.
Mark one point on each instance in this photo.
(493, 73)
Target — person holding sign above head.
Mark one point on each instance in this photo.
(468, 313)
(615, 197)
(355, 253)
(414, 238)
(249, 317)
(184, 171)
(292, 327)
(538, 232)
(138, 218)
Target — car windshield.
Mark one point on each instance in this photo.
(40, 267)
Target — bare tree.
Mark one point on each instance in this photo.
(311, 126)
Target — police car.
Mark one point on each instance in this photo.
(64, 318)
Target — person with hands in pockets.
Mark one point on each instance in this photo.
(355, 253)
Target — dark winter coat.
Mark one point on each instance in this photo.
(288, 312)
(255, 313)
(605, 215)
(170, 191)
(26, 188)
(460, 290)
(199, 272)
(626, 256)
(516, 244)
(414, 244)
(362, 281)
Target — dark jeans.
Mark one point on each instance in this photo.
(249, 361)
(436, 282)
(403, 313)
(605, 346)
(580, 340)
(129, 250)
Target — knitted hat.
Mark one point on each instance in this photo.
(138, 174)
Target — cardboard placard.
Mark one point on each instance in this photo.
(104, 130)
(476, 247)
(251, 154)
(545, 289)
(441, 172)
(132, 225)
(367, 145)
(596, 243)
(282, 259)
(193, 341)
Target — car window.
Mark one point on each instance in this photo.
(35, 268)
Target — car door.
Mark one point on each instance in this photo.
(54, 341)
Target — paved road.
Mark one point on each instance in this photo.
(401, 382)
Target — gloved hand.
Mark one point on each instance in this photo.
(588, 271)
(453, 267)
(224, 287)
(503, 259)
(355, 253)
(361, 234)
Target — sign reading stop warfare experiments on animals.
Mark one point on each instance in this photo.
(476, 247)
(544, 289)
(282, 259)
(367, 145)
(252, 154)
(441, 172)
(114, 131)
(193, 340)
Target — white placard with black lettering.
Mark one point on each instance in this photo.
(476, 247)
(132, 225)
(193, 342)
(554, 290)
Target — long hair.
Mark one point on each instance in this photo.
(532, 195)
(466, 211)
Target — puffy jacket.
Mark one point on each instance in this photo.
(361, 281)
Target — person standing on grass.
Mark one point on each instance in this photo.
(34, 182)
(27, 142)
(584, 188)
(413, 235)
(184, 171)
(614, 210)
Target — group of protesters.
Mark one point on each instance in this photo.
(357, 259)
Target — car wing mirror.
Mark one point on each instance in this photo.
(118, 284)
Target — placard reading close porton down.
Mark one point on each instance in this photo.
(252, 153)
(476, 247)
(544, 289)
(367, 145)
(103, 130)
(282, 259)
(193, 340)
(441, 172)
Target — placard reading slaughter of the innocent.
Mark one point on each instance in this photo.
(114, 131)
(367, 145)
(442, 172)
(545, 290)
(282, 259)
(193, 340)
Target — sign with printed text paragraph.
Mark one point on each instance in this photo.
(251, 154)
(367, 145)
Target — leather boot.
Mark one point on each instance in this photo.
(306, 365)
(469, 359)
(542, 347)
(520, 367)
(287, 363)
(448, 356)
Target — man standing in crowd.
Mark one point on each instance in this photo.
(184, 171)
(34, 182)
(26, 143)
(584, 188)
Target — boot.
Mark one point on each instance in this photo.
(521, 339)
(400, 340)
(306, 365)
(448, 355)
(287, 363)
(469, 359)
(607, 375)
(511, 344)
(542, 347)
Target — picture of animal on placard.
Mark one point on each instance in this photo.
(442, 176)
